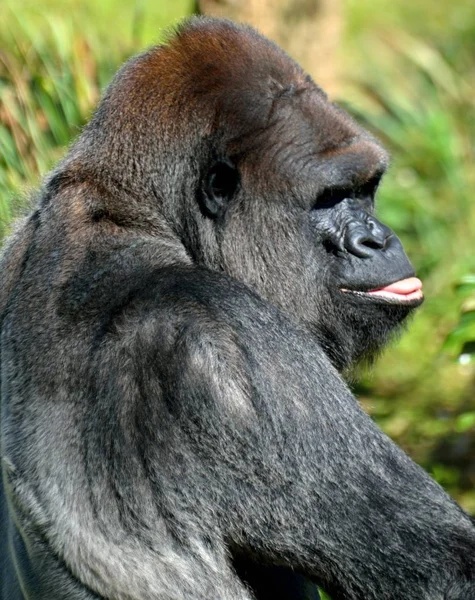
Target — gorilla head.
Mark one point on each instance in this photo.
(223, 137)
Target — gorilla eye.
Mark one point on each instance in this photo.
(220, 184)
(332, 196)
(369, 189)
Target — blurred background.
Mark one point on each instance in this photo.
(404, 68)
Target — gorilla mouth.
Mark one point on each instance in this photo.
(404, 291)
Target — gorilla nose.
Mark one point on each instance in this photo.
(366, 239)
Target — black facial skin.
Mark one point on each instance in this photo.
(175, 315)
(358, 251)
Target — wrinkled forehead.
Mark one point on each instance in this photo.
(300, 134)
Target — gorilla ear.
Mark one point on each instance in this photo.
(220, 184)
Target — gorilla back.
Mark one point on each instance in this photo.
(175, 313)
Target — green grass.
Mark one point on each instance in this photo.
(419, 99)
(117, 24)
(53, 67)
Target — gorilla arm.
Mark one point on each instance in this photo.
(245, 438)
(328, 493)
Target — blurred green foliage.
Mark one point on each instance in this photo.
(412, 66)
(413, 85)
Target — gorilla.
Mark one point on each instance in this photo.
(176, 313)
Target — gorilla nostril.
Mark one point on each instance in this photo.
(364, 244)
(372, 242)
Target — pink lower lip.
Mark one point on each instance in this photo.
(407, 289)
(404, 290)
(417, 295)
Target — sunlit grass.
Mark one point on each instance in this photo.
(49, 82)
(54, 63)
(421, 105)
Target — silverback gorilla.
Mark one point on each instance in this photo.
(175, 313)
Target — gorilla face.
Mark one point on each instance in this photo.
(293, 211)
